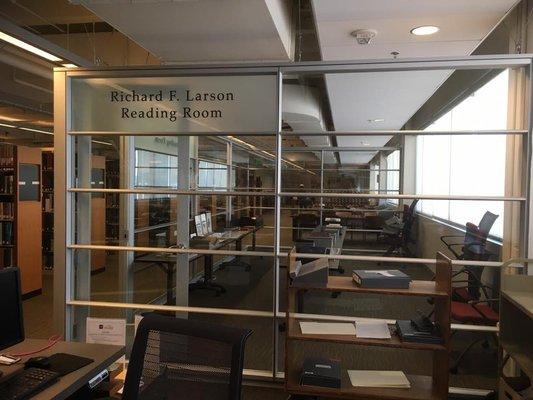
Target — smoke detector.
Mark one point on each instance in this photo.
(364, 36)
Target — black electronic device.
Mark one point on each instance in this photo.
(26, 383)
(420, 329)
(11, 317)
(42, 362)
(321, 372)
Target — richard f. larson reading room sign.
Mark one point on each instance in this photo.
(175, 104)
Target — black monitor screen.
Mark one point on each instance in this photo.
(11, 317)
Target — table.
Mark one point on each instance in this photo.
(102, 354)
(167, 262)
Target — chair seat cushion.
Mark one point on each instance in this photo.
(490, 315)
(466, 313)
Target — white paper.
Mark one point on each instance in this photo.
(106, 331)
(327, 328)
(382, 273)
(372, 330)
(378, 379)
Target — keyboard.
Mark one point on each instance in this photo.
(26, 383)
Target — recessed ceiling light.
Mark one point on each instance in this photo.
(365, 143)
(377, 120)
(28, 47)
(69, 65)
(424, 30)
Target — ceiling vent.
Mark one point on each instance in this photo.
(364, 36)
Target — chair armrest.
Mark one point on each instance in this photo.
(449, 236)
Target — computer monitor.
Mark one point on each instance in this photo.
(11, 317)
(198, 224)
(209, 223)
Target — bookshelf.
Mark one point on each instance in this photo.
(98, 214)
(8, 204)
(48, 210)
(434, 386)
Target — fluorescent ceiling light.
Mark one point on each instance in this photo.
(8, 126)
(10, 119)
(424, 30)
(69, 65)
(377, 120)
(34, 130)
(28, 47)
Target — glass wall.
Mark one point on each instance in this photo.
(216, 206)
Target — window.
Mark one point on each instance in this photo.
(155, 169)
(212, 175)
(466, 164)
(393, 174)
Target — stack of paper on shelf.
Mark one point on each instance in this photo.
(372, 329)
(327, 328)
(379, 379)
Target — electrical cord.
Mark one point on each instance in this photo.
(52, 340)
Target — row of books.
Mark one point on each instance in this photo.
(6, 258)
(7, 210)
(6, 184)
(7, 155)
(6, 232)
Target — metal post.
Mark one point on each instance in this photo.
(321, 184)
(277, 224)
(182, 262)
(229, 175)
(126, 220)
(83, 232)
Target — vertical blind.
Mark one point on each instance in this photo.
(466, 164)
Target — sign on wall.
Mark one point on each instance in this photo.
(245, 103)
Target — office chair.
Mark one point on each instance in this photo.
(174, 358)
(473, 248)
(477, 312)
(303, 221)
(399, 241)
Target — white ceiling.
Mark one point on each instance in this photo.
(354, 99)
(202, 30)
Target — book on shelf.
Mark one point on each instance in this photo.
(6, 184)
(7, 156)
(6, 210)
(6, 233)
(381, 279)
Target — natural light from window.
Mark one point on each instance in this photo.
(466, 164)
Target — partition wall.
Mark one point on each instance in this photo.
(220, 134)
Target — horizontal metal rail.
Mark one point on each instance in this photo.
(250, 313)
(402, 196)
(171, 250)
(295, 194)
(407, 133)
(336, 148)
(208, 133)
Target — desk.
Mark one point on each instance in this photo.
(102, 354)
(167, 262)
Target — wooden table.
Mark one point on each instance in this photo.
(102, 354)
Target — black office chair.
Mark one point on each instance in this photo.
(473, 248)
(399, 241)
(174, 358)
(303, 221)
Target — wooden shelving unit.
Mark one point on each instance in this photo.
(422, 387)
(48, 210)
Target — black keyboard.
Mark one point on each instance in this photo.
(26, 383)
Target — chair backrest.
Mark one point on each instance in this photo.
(486, 223)
(175, 358)
(408, 219)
